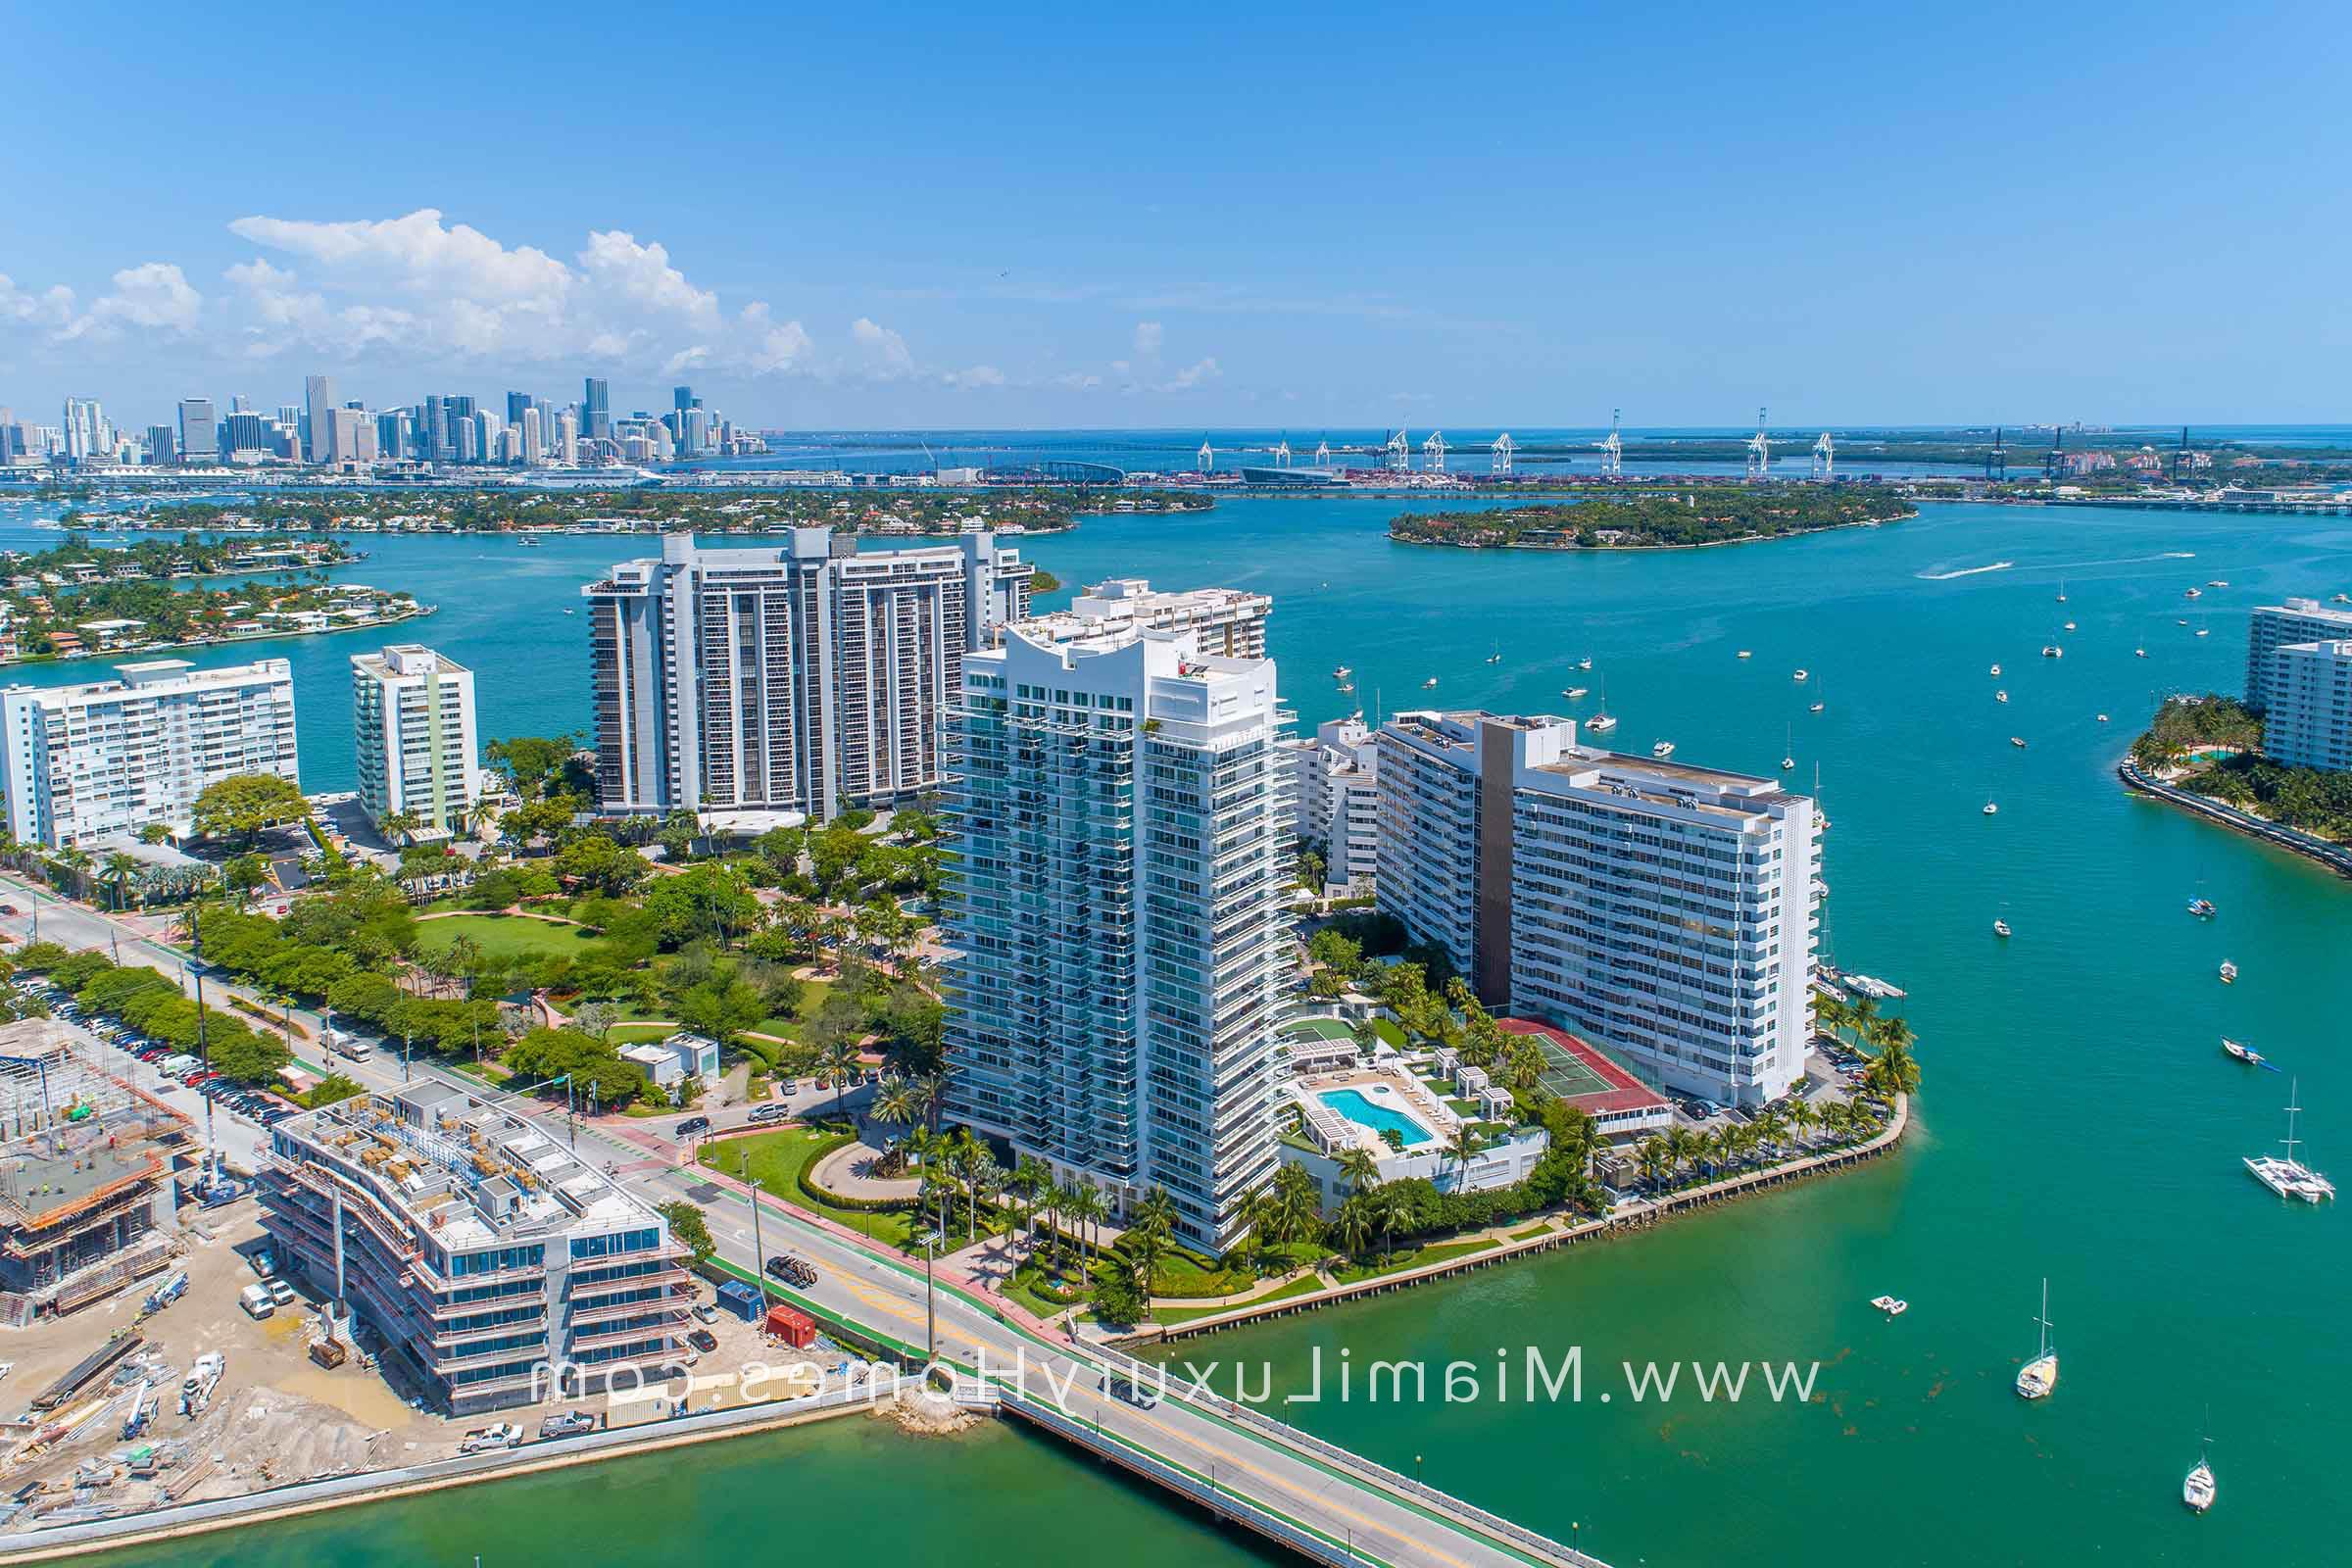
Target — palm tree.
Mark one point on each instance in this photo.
(932, 1090)
(1685, 1146)
(1031, 1178)
(1461, 1146)
(1069, 1199)
(1353, 1226)
(893, 1103)
(986, 1178)
(121, 867)
(1656, 1157)
(76, 860)
(1087, 1209)
(1361, 1168)
(1298, 1204)
(838, 1062)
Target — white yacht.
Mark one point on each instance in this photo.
(2000, 928)
(1997, 672)
(1600, 723)
(1573, 693)
(1663, 751)
(2037, 1376)
(1799, 675)
(2229, 972)
(1342, 673)
(1745, 654)
(1991, 809)
(1585, 662)
(2000, 697)
(2140, 653)
(2287, 1175)
(1430, 684)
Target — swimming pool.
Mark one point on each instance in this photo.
(1364, 1111)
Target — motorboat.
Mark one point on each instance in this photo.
(1997, 672)
(2053, 651)
(2194, 593)
(2181, 620)
(2229, 972)
(2217, 582)
(1572, 693)
(2017, 740)
(2202, 909)
(1744, 653)
(1585, 662)
(1788, 757)
(2102, 718)
(1799, 675)
(1663, 751)
(2243, 1052)
(1991, 809)
(2000, 697)
(2197, 1490)
(1342, 673)
(2340, 599)
(2000, 928)
(2140, 653)
(2204, 631)
(2284, 1175)
(1430, 684)
(1817, 707)
(1346, 686)
(2070, 626)
(1890, 1305)
(2037, 1376)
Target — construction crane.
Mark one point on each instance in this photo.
(1206, 457)
(1759, 451)
(1401, 453)
(1612, 450)
(1825, 458)
(1433, 452)
(1504, 445)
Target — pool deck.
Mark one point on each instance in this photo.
(1420, 1104)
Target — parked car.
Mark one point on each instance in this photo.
(280, 1291)
(702, 1340)
(497, 1434)
(692, 1125)
(257, 1301)
(566, 1424)
(265, 1263)
(769, 1111)
(704, 1312)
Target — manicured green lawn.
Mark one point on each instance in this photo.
(777, 1159)
(627, 1034)
(1532, 1232)
(1436, 1252)
(506, 936)
(813, 997)
(1304, 1284)
(1388, 1030)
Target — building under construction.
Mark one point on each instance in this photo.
(86, 1195)
(487, 1256)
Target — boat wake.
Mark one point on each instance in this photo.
(1964, 572)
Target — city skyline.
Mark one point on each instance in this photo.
(1531, 231)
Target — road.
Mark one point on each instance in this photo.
(889, 1295)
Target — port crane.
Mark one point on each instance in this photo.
(1759, 451)
(1433, 452)
(1323, 454)
(1206, 457)
(1504, 446)
(1401, 453)
(1612, 450)
(1282, 454)
(1825, 458)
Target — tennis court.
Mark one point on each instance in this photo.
(1566, 1076)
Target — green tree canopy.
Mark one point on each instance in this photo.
(240, 808)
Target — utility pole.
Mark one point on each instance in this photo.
(743, 1163)
(212, 1155)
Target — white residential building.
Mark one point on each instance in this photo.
(1118, 916)
(1335, 783)
(2275, 627)
(1226, 622)
(1662, 910)
(2309, 722)
(417, 748)
(110, 756)
(739, 682)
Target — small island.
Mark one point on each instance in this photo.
(511, 510)
(80, 602)
(1676, 518)
(2210, 747)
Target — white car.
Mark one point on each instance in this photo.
(498, 1435)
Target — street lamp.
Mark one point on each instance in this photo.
(930, 1244)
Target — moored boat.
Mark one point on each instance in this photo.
(2037, 1376)
(2198, 1490)
(2245, 1054)
(2229, 972)
(2000, 928)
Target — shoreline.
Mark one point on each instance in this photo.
(214, 642)
(1640, 1215)
(2337, 857)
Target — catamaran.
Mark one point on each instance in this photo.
(2287, 1175)
(2037, 1376)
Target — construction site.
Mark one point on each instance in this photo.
(88, 1191)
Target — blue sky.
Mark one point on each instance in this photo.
(1299, 216)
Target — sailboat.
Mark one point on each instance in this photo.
(2287, 1175)
(2037, 1376)
(2062, 590)
(1820, 703)
(1601, 721)
(1788, 758)
(1496, 657)
(2197, 1491)
(2000, 928)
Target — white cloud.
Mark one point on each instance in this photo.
(977, 375)
(418, 252)
(1192, 375)
(1148, 335)
(51, 306)
(885, 352)
(643, 275)
(157, 296)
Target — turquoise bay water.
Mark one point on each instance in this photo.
(1352, 1103)
(2078, 1119)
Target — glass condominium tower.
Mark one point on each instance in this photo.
(1117, 915)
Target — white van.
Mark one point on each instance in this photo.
(340, 1043)
(173, 1066)
(256, 1300)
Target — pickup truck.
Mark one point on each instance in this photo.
(497, 1434)
(566, 1424)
